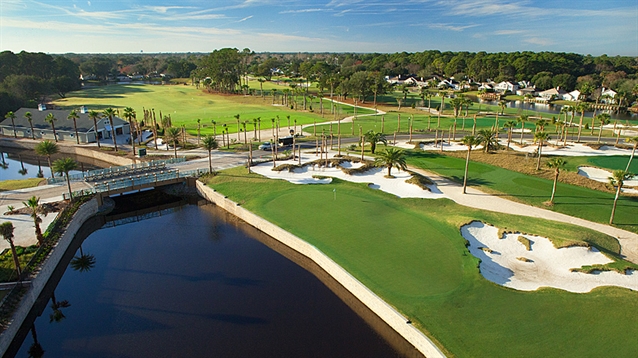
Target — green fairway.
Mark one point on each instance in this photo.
(410, 252)
(185, 104)
(570, 199)
(608, 162)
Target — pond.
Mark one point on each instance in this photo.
(552, 109)
(196, 282)
(23, 164)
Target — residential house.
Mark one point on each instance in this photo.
(607, 96)
(63, 127)
(526, 91)
(506, 86)
(572, 96)
(552, 93)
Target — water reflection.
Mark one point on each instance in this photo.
(189, 283)
(23, 164)
(552, 109)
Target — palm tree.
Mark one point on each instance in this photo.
(110, 113)
(581, 107)
(244, 124)
(209, 142)
(487, 137)
(238, 135)
(64, 166)
(33, 204)
(73, 115)
(50, 118)
(171, 136)
(391, 157)
(556, 163)
(633, 140)
(604, 118)
(214, 127)
(617, 179)
(95, 115)
(510, 125)
(540, 137)
(540, 124)
(83, 262)
(29, 118)
(57, 315)
(47, 148)
(6, 230)
(469, 141)
(130, 115)
(522, 119)
(12, 115)
(502, 104)
(373, 138)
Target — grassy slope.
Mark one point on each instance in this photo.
(410, 252)
(571, 200)
(19, 183)
(186, 104)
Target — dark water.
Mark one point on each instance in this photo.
(23, 164)
(196, 283)
(554, 109)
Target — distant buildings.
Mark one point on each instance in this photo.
(64, 128)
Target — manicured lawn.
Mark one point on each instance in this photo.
(186, 104)
(20, 183)
(571, 200)
(610, 163)
(410, 252)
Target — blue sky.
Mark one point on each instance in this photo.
(123, 26)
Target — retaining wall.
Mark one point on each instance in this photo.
(85, 211)
(386, 312)
(71, 149)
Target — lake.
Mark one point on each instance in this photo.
(197, 282)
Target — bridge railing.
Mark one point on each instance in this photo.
(107, 173)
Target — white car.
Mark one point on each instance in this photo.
(265, 146)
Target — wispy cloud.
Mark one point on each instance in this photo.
(300, 11)
(523, 8)
(538, 41)
(509, 32)
(245, 18)
(451, 27)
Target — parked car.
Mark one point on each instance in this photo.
(265, 146)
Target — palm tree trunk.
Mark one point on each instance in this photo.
(210, 162)
(75, 125)
(16, 262)
(55, 136)
(613, 209)
(68, 184)
(467, 164)
(580, 126)
(522, 132)
(50, 166)
(633, 151)
(540, 150)
(556, 173)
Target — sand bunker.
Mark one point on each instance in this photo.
(602, 175)
(508, 262)
(374, 177)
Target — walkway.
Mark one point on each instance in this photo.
(480, 200)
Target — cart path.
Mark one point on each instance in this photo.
(480, 200)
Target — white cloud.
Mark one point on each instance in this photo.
(245, 18)
(300, 11)
(538, 41)
(450, 27)
(509, 32)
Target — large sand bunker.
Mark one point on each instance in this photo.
(508, 262)
(314, 174)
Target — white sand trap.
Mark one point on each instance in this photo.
(603, 175)
(572, 149)
(448, 147)
(549, 266)
(374, 177)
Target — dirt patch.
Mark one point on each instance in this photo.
(47, 208)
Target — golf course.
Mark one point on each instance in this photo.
(410, 251)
